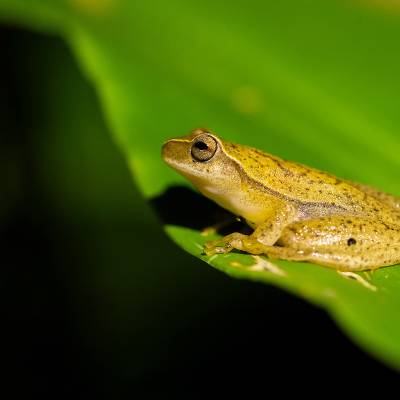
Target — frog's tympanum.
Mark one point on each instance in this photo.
(298, 213)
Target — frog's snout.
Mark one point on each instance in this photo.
(166, 152)
(174, 153)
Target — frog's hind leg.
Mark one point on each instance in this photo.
(344, 243)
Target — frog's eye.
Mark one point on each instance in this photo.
(203, 148)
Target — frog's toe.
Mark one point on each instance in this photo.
(216, 247)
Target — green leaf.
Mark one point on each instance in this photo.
(314, 82)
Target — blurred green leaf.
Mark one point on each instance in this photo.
(315, 82)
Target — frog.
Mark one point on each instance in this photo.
(296, 212)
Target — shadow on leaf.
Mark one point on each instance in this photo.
(181, 206)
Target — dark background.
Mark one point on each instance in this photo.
(96, 299)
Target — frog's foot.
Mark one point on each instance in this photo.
(359, 279)
(238, 241)
(234, 241)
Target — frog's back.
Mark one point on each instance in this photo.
(302, 184)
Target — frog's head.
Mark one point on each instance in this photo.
(202, 158)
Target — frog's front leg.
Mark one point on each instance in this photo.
(266, 234)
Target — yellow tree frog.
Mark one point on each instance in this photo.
(297, 212)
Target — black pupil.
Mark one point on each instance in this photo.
(201, 145)
(351, 242)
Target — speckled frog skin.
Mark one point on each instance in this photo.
(298, 213)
